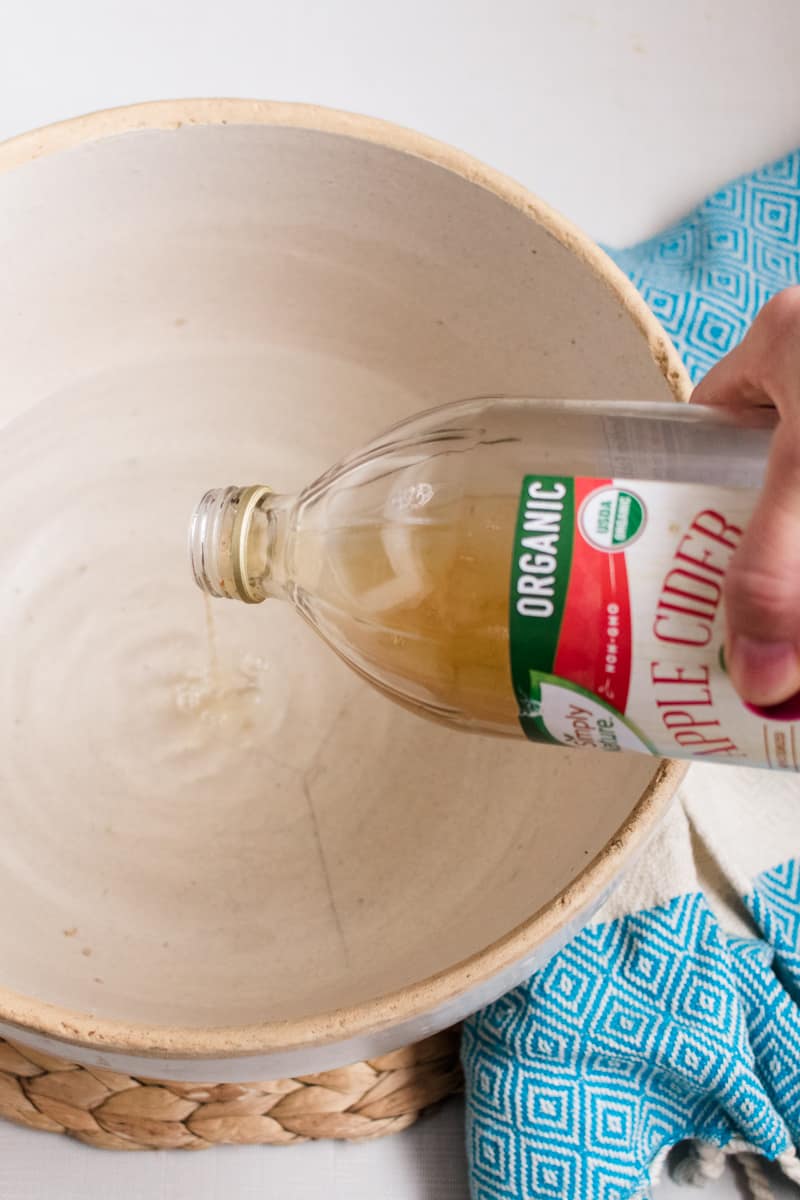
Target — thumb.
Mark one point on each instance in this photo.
(762, 585)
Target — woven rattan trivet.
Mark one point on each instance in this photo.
(120, 1112)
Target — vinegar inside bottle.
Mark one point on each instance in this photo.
(403, 559)
(421, 607)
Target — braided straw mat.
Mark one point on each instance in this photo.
(120, 1112)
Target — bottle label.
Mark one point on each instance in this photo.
(617, 626)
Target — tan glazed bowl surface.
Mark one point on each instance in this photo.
(223, 856)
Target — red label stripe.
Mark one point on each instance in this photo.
(594, 646)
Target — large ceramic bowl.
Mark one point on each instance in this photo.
(222, 856)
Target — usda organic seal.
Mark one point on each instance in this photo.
(611, 518)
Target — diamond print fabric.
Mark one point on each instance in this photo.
(682, 1019)
(707, 277)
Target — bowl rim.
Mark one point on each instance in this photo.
(416, 1000)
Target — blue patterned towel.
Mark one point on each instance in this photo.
(675, 1014)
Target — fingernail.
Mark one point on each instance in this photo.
(763, 672)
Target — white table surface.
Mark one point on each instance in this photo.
(622, 113)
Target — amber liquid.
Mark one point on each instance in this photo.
(421, 607)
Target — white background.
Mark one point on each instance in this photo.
(621, 113)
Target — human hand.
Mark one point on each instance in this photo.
(762, 585)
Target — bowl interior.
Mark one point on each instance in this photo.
(206, 819)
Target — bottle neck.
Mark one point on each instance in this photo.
(237, 543)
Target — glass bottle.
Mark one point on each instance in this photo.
(521, 567)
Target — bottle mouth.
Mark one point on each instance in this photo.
(206, 537)
(221, 543)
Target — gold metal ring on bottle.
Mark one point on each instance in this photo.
(249, 501)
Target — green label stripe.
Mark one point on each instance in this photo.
(539, 579)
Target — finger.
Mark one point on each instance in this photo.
(762, 585)
(731, 383)
(764, 369)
